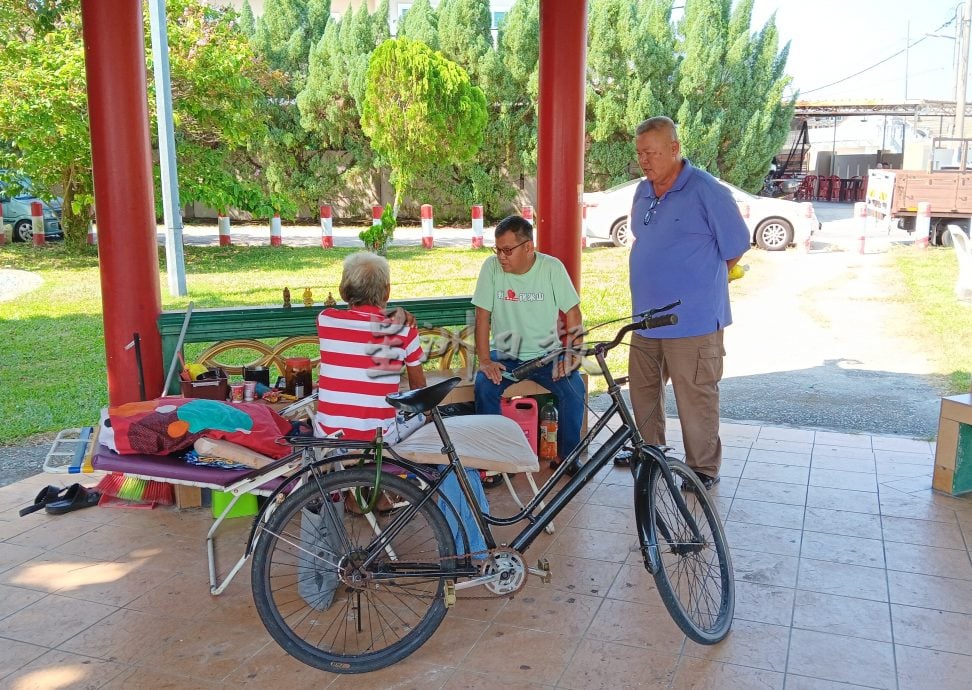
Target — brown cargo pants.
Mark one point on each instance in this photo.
(694, 366)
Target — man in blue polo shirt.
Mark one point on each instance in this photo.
(688, 233)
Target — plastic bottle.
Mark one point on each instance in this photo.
(548, 434)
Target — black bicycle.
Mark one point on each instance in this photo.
(354, 570)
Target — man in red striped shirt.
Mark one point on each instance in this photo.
(362, 353)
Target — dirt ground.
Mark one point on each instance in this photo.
(817, 342)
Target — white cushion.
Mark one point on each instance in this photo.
(483, 441)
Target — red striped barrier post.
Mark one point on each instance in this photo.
(427, 226)
(327, 234)
(477, 226)
(860, 216)
(37, 221)
(224, 230)
(583, 226)
(92, 234)
(376, 212)
(923, 225)
(527, 213)
(807, 209)
(275, 238)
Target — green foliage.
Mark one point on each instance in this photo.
(43, 107)
(464, 33)
(378, 236)
(420, 23)
(731, 118)
(420, 110)
(247, 20)
(379, 24)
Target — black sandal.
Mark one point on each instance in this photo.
(48, 494)
(75, 498)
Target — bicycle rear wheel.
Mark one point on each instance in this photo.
(694, 577)
(319, 604)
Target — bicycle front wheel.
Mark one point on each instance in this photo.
(694, 575)
(318, 600)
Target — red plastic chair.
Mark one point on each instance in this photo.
(808, 189)
(834, 188)
(823, 188)
(862, 190)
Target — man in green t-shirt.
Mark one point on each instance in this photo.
(520, 296)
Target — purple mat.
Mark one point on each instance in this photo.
(166, 467)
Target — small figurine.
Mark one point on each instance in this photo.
(286, 296)
(330, 301)
(308, 298)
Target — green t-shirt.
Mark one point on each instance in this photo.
(524, 308)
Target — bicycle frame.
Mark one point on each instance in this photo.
(645, 455)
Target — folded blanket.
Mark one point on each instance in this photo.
(170, 425)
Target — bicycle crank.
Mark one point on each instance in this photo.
(508, 570)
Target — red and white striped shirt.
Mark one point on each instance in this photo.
(362, 354)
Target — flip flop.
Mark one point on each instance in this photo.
(47, 495)
(77, 497)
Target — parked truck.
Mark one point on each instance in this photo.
(944, 181)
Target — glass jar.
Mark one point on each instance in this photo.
(297, 373)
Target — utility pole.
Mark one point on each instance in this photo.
(963, 72)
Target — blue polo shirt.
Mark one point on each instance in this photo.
(681, 253)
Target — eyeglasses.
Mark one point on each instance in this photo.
(508, 251)
(652, 207)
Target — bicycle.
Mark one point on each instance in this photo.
(352, 591)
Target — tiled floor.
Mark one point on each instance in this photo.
(849, 572)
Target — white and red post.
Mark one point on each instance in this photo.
(860, 218)
(275, 237)
(92, 234)
(37, 222)
(427, 241)
(327, 234)
(223, 223)
(527, 213)
(923, 225)
(477, 226)
(583, 226)
(376, 212)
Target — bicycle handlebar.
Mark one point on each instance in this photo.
(646, 320)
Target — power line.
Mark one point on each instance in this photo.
(876, 64)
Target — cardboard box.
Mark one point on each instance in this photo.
(953, 452)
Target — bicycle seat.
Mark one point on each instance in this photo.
(422, 399)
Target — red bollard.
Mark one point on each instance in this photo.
(923, 225)
(860, 215)
(477, 226)
(223, 223)
(376, 212)
(37, 221)
(583, 226)
(427, 226)
(327, 235)
(527, 213)
(275, 239)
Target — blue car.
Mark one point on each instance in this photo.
(16, 213)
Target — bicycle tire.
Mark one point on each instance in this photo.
(325, 621)
(696, 585)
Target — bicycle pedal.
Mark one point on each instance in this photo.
(450, 594)
(542, 571)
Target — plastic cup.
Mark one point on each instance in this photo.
(236, 392)
(249, 390)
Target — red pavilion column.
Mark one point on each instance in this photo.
(560, 153)
(124, 202)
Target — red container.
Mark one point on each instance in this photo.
(523, 411)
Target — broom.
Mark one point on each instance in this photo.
(136, 490)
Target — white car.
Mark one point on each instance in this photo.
(775, 224)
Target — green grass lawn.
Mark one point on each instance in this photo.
(941, 323)
(52, 372)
